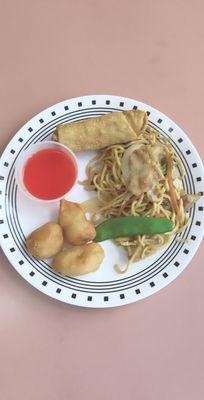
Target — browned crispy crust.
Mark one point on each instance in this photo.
(97, 133)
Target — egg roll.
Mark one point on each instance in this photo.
(97, 133)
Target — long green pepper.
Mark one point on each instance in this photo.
(131, 226)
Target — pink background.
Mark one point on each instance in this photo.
(151, 51)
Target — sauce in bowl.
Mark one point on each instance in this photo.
(46, 171)
(49, 174)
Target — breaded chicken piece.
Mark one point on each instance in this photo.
(77, 229)
(79, 260)
(46, 241)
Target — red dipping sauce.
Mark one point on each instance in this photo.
(49, 174)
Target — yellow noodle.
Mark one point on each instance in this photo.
(104, 174)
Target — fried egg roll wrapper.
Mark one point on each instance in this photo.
(97, 133)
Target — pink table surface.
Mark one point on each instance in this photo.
(151, 51)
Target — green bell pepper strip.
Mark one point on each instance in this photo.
(164, 168)
(131, 226)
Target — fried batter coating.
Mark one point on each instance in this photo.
(45, 241)
(79, 260)
(77, 229)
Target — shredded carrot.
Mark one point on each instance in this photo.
(171, 186)
(160, 215)
(125, 204)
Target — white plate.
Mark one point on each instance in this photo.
(20, 215)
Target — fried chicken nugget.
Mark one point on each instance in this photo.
(77, 229)
(79, 260)
(46, 241)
